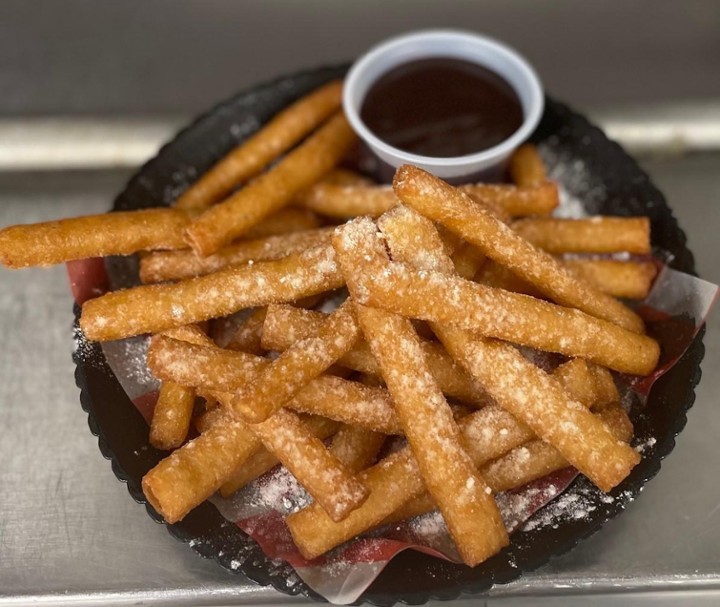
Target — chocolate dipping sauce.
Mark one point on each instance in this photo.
(442, 107)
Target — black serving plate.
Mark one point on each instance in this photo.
(411, 577)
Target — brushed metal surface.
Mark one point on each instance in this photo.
(114, 143)
(170, 56)
(70, 534)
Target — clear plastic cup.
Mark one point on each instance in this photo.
(453, 44)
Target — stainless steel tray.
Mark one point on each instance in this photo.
(70, 534)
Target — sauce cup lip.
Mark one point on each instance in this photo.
(352, 101)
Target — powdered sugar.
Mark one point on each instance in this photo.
(577, 191)
(573, 505)
(128, 359)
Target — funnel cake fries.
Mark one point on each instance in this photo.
(216, 369)
(155, 308)
(297, 171)
(524, 464)
(53, 242)
(277, 136)
(264, 460)
(628, 279)
(284, 325)
(508, 316)
(174, 407)
(526, 166)
(302, 362)
(515, 383)
(394, 481)
(177, 265)
(468, 293)
(470, 512)
(593, 235)
(459, 213)
(344, 201)
(323, 476)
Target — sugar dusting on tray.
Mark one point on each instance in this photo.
(576, 191)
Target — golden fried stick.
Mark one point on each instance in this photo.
(629, 279)
(470, 512)
(322, 475)
(177, 265)
(524, 464)
(285, 221)
(53, 242)
(285, 324)
(248, 336)
(155, 308)
(467, 261)
(216, 369)
(588, 235)
(526, 166)
(264, 460)
(302, 362)
(395, 481)
(192, 473)
(588, 383)
(344, 201)
(508, 316)
(171, 417)
(536, 458)
(271, 191)
(356, 447)
(342, 176)
(515, 383)
(277, 136)
(449, 206)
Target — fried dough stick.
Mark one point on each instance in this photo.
(285, 324)
(471, 514)
(394, 481)
(302, 362)
(263, 460)
(322, 475)
(356, 447)
(629, 279)
(344, 201)
(520, 319)
(155, 308)
(516, 384)
(216, 369)
(177, 265)
(526, 166)
(226, 221)
(449, 206)
(192, 473)
(282, 132)
(286, 437)
(524, 464)
(589, 235)
(285, 221)
(124, 233)
(248, 336)
(171, 418)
